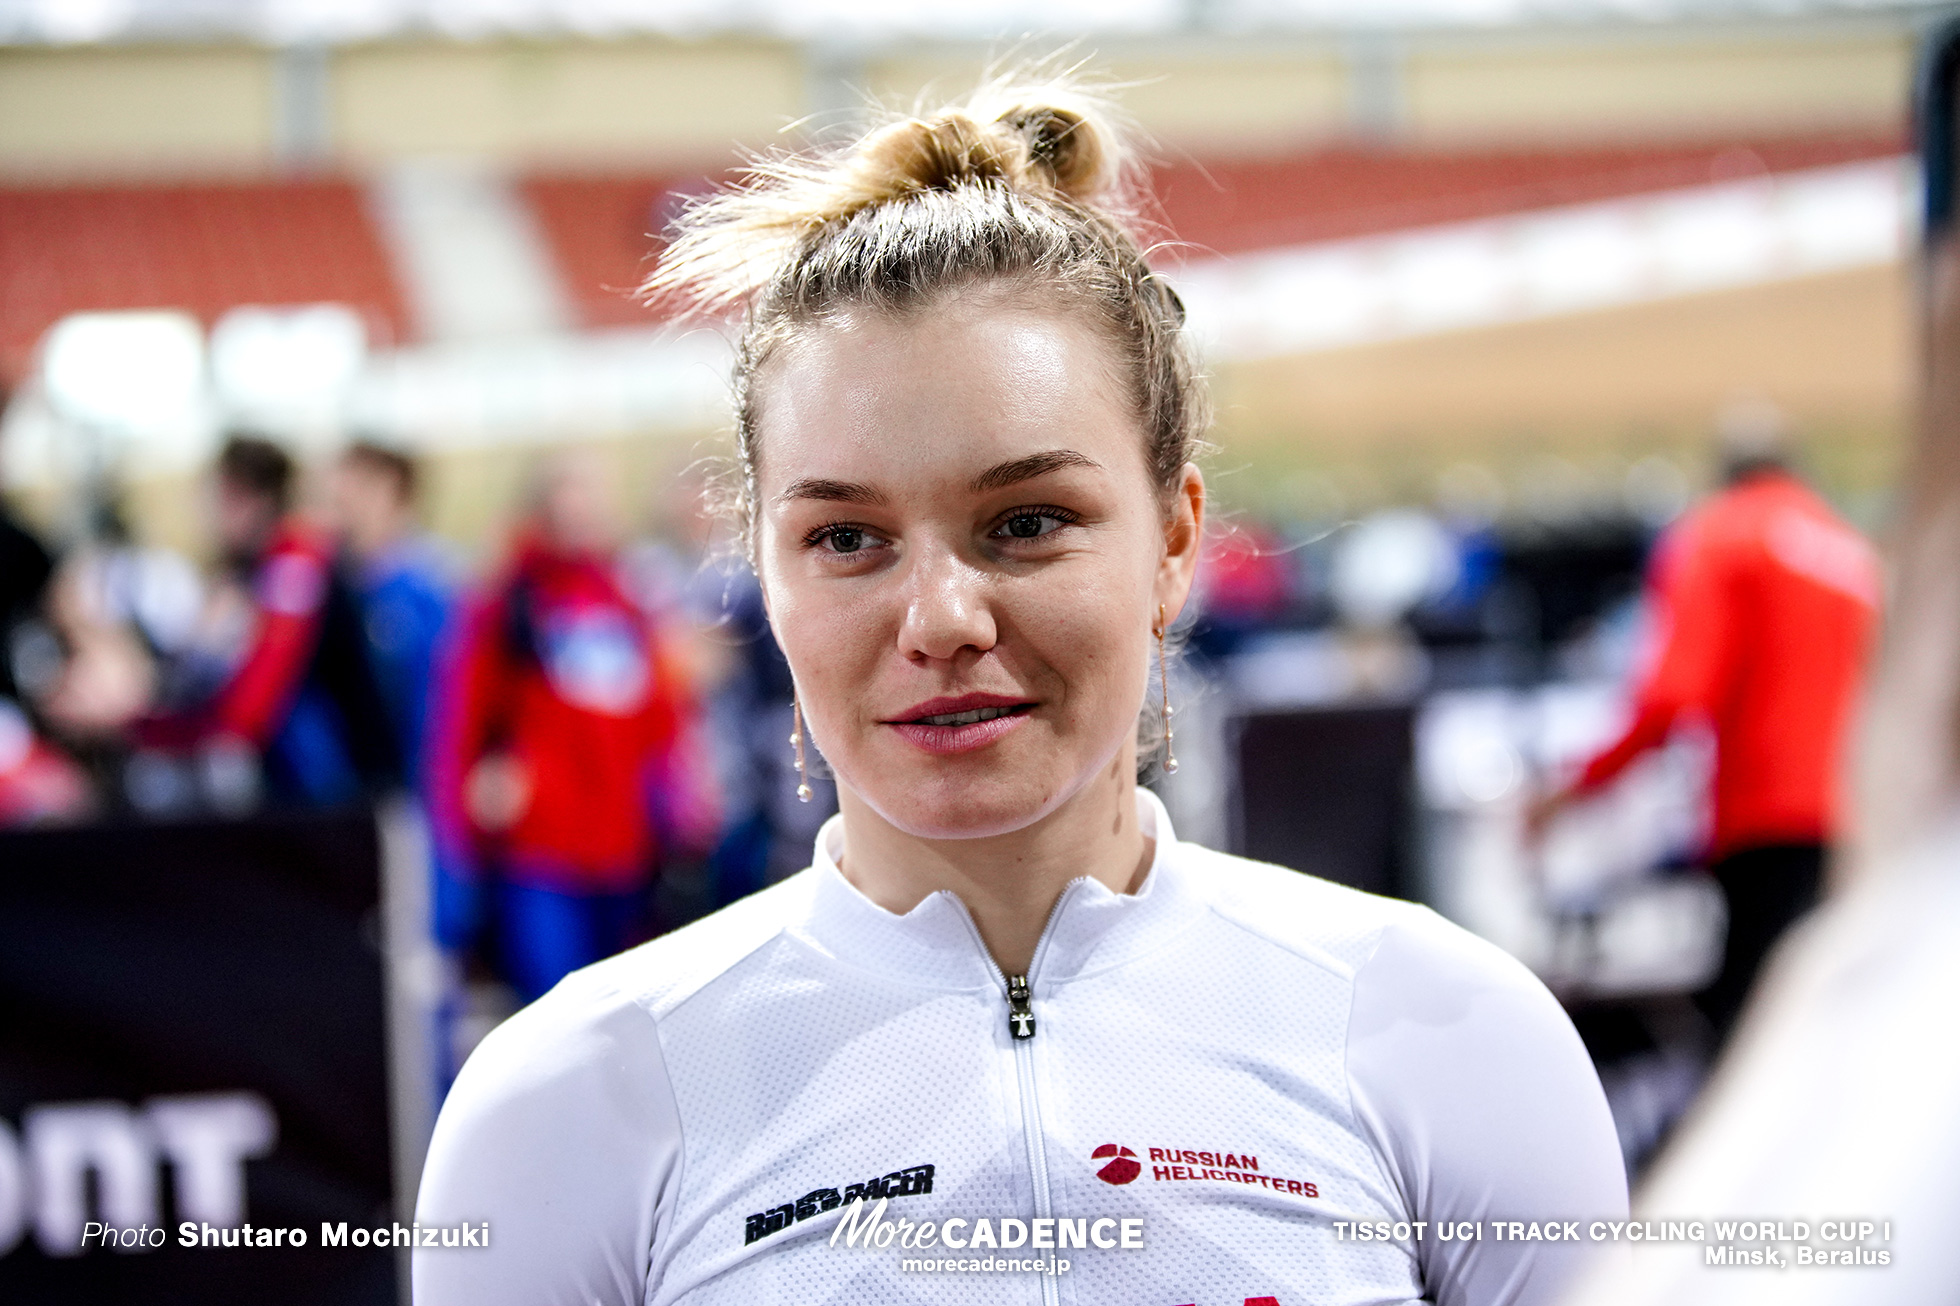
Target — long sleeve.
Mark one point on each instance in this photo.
(289, 594)
(562, 1134)
(1693, 623)
(1474, 1088)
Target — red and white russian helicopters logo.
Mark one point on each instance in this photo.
(1123, 1165)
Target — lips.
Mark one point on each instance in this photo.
(969, 718)
(960, 724)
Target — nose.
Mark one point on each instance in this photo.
(948, 608)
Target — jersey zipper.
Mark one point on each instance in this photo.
(1037, 1150)
(1020, 1021)
(1021, 1028)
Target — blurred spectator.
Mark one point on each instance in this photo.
(1762, 603)
(705, 602)
(36, 781)
(298, 691)
(105, 675)
(122, 630)
(25, 569)
(1839, 1094)
(768, 829)
(1244, 587)
(403, 579)
(558, 767)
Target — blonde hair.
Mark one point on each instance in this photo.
(1024, 182)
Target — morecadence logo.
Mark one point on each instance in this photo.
(983, 1237)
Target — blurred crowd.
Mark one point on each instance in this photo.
(589, 724)
(594, 726)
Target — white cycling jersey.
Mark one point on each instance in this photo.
(1250, 1061)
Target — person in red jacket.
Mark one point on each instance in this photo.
(298, 692)
(1763, 602)
(556, 727)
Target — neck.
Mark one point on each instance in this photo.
(1009, 882)
(247, 552)
(375, 542)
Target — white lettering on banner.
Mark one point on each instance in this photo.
(208, 1138)
(64, 1143)
(44, 1175)
(13, 1190)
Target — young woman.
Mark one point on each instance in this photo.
(1003, 993)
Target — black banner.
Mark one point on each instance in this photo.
(1327, 791)
(193, 1030)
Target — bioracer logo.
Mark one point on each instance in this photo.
(910, 1182)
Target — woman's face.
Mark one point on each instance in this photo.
(963, 556)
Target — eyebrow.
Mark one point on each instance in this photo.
(997, 477)
(833, 492)
(1002, 475)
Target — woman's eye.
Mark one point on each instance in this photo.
(1030, 525)
(841, 540)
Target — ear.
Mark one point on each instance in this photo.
(1183, 534)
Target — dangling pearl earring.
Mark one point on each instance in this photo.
(796, 742)
(1164, 671)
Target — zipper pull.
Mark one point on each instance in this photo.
(1020, 1021)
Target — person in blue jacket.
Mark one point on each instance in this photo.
(404, 578)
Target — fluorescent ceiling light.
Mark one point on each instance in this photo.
(136, 375)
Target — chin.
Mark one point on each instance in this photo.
(958, 803)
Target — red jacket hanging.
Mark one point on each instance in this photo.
(1763, 603)
(559, 669)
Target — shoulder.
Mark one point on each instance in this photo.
(1341, 927)
(631, 992)
(292, 577)
(414, 566)
(1742, 516)
(1683, 545)
(661, 975)
(591, 1046)
(563, 1132)
(1404, 960)
(1463, 1071)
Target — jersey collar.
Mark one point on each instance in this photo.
(936, 945)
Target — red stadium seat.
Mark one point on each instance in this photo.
(202, 248)
(1229, 206)
(602, 229)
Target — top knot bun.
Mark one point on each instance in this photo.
(1049, 141)
(1045, 150)
(1071, 149)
